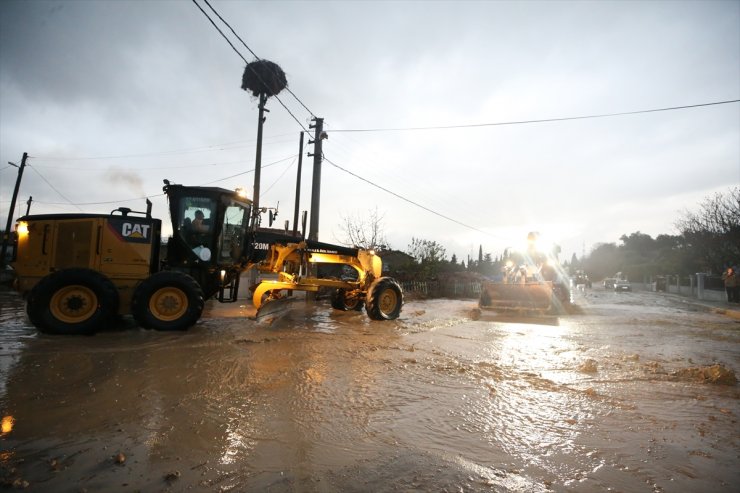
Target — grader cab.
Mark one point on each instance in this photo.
(78, 271)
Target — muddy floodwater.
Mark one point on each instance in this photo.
(636, 394)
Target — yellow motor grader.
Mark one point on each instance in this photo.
(78, 271)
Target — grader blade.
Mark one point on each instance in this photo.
(275, 307)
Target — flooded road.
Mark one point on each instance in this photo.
(635, 394)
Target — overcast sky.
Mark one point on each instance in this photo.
(110, 97)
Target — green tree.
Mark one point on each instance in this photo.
(426, 251)
(486, 266)
(638, 254)
(430, 257)
(604, 261)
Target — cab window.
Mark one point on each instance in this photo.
(196, 220)
(234, 230)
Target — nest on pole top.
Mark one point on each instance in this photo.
(264, 77)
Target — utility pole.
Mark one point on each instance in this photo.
(257, 176)
(28, 203)
(319, 135)
(258, 158)
(298, 187)
(11, 212)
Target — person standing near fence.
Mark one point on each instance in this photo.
(730, 279)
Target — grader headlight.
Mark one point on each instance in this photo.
(22, 228)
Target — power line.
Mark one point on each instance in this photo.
(245, 61)
(148, 168)
(107, 202)
(221, 32)
(423, 182)
(406, 199)
(216, 147)
(254, 54)
(251, 170)
(545, 120)
(53, 187)
(264, 193)
(147, 196)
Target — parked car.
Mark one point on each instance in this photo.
(622, 285)
(609, 283)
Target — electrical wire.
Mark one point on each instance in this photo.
(544, 120)
(147, 168)
(52, 186)
(245, 61)
(221, 32)
(439, 214)
(251, 170)
(147, 196)
(425, 190)
(264, 193)
(107, 202)
(215, 147)
(511, 123)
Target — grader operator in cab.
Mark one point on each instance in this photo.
(78, 271)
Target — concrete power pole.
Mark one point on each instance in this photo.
(258, 157)
(298, 186)
(319, 135)
(11, 212)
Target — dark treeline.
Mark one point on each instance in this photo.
(708, 241)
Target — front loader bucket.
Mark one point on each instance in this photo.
(528, 297)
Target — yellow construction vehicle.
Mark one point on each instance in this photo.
(78, 271)
(531, 283)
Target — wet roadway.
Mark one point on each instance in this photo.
(637, 393)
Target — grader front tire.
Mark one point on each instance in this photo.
(167, 300)
(384, 299)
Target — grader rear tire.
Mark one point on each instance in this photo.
(384, 299)
(167, 300)
(72, 301)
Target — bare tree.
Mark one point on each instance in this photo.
(713, 231)
(364, 231)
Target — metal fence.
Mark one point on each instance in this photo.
(713, 283)
(437, 289)
(712, 287)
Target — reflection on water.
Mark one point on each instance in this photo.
(322, 400)
(6, 426)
